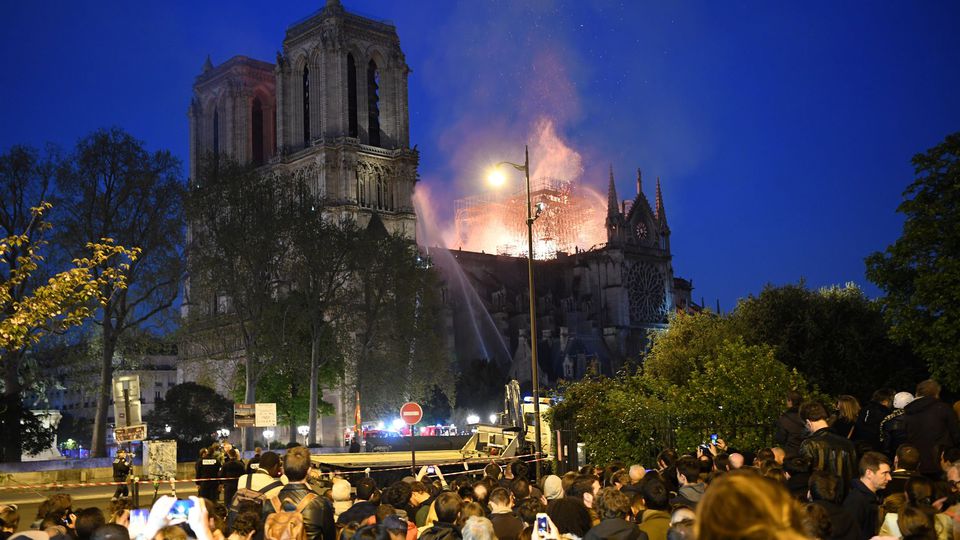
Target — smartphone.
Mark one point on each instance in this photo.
(543, 524)
(138, 520)
(431, 470)
(179, 510)
(713, 439)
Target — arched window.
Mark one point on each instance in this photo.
(373, 103)
(361, 192)
(352, 95)
(256, 130)
(306, 105)
(380, 198)
(216, 133)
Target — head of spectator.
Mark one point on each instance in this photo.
(567, 480)
(928, 388)
(9, 518)
(520, 487)
(688, 471)
(395, 526)
(447, 507)
(88, 520)
(666, 458)
(682, 513)
(778, 454)
(816, 522)
(796, 465)
(814, 416)
(552, 487)
(171, 532)
(480, 492)
(874, 471)
(570, 516)
(848, 407)
(418, 493)
(478, 528)
(949, 456)
(58, 503)
(721, 463)
(244, 526)
(764, 454)
(519, 469)
(794, 399)
(736, 461)
(907, 458)
(637, 472)
(466, 493)
(397, 495)
(585, 488)
(655, 494)
(612, 504)
(919, 491)
(469, 510)
(500, 501)
(296, 464)
(366, 488)
(823, 486)
(743, 504)
(492, 471)
(620, 479)
(916, 523)
(902, 399)
(528, 509)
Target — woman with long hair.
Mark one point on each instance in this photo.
(848, 409)
(742, 505)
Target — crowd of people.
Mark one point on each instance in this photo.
(888, 469)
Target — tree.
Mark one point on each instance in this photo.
(835, 336)
(194, 413)
(239, 253)
(920, 272)
(112, 187)
(32, 307)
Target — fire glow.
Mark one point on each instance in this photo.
(573, 219)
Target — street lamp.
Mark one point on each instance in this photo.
(498, 179)
(303, 431)
(267, 435)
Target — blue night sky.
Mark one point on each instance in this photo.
(782, 132)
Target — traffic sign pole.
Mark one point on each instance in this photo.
(412, 413)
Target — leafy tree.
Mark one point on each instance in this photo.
(699, 378)
(32, 307)
(239, 251)
(112, 187)
(920, 271)
(835, 336)
(194, 413)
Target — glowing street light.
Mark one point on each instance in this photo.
(493, 418)
(531, 217)
(473, 419)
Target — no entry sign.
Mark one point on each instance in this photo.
(411, 413)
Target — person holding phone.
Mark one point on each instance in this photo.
(121, 470)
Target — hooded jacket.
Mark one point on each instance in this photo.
(689, 494)
(615, 529)
(790, 431)
(441, 531)
(931, 423)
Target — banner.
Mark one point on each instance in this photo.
(244, 415)
(130, 433)
(265, 415)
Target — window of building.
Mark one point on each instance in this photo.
(216, 133)
(256, 115)
(306, 105)
(352, 95)
(361, 191)
(373, 103)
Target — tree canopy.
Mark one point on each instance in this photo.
(920, 272)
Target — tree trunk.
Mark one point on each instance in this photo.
(314, 361)
(11, 448)
(98, 446)
(249, 396)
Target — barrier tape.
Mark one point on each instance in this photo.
(334, 472)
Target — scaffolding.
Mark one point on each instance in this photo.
(496, 222)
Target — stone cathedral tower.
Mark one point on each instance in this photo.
(332, 111)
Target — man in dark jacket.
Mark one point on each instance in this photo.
(866, 431)
(904, 468)
(931, 425)
(790, 427)
(121, 470)
(862, 501)
(825, 450)
(613, 507)
(893, 428)
(506, 525)
(447, 506)
(318, 513)
(232, 469)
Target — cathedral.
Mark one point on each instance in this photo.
(331, 112)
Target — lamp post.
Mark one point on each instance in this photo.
(531, 217)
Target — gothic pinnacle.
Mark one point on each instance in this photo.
(660, 213)
(639, 181)
(613, 202)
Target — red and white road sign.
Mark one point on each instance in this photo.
(411, 413)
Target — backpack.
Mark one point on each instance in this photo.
(284, 525)
(255, 496)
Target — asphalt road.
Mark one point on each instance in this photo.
(83, 497)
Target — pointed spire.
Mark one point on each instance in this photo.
(613, 202)
(639, 181)
(660, 212)
(207, 65)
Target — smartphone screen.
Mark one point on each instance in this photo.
(713, 439)
(431, 470)
(179, 510)
(138, 520)
(543, 524)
